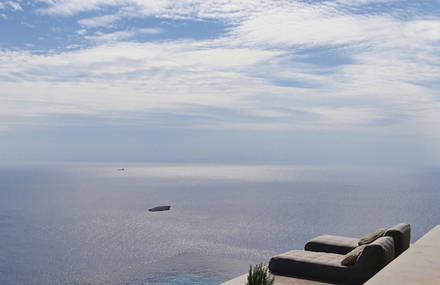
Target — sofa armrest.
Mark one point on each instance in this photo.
(373, 258)
(401, 234)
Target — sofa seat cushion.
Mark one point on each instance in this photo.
(316, 265)
(333, 244)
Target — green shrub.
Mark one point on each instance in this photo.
(259, 275)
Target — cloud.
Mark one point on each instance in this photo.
(70, 7)
(102, 21)
(149, 31)
(119, 35)
(302, 26)
(81, 32)
(15, 6)
(10, 5)
(163, 9)
(363, 2)
(192, 9)
(110, 37)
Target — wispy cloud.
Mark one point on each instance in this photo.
(163, 9)
(150, 31)
(110, 37)
(14, 5)
(10, 5)
(102, 21)
(120, 35)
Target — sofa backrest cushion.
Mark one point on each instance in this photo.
(401, 234)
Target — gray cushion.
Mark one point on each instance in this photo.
(369, 238)
(401, 234)
(333, 244)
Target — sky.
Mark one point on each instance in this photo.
(263, 81)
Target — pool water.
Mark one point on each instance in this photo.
(189, 279)
(184, 268)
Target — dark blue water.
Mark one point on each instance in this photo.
(89, 224)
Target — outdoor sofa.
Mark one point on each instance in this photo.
(324, 257)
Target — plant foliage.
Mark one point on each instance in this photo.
(259, 275)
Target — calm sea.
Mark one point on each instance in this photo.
(88, 223)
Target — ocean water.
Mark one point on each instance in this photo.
(83, 223)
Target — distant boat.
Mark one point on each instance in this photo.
(121, 169)
(159, 208)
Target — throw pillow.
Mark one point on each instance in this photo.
(372, 237)
(351, 257)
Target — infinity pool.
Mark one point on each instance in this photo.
(182, 269)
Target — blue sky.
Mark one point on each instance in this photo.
(225, 81)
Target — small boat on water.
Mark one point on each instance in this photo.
(121, 169)
(159, 208)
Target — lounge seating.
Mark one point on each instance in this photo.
(328, 267)
(401, 234)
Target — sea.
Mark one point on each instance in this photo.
(88, 223)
